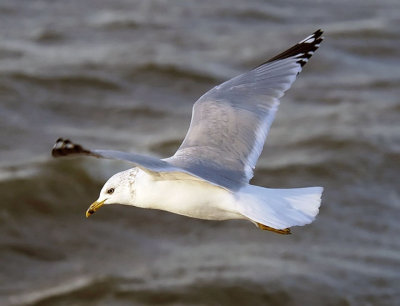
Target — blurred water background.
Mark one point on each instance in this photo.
(124, 74)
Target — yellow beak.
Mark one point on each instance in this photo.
(93, 208)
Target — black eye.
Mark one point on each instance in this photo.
(110, 191)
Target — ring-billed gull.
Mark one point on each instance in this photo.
(208, 176)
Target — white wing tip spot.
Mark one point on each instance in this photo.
(308, 40)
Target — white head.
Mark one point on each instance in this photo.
(119, 189)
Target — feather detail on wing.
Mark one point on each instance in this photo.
(230, 122)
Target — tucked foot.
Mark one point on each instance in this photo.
(285, 231)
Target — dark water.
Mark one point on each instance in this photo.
(124, 74)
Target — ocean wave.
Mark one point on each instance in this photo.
(44, 187)
(221, 291)
(325, 159)
(171, 71)
(65, 80)
(271, 14)
(326, 143)
(9, 53)
(46, 35)
(42, 297)
(116, 20)
(166, 148)
(32, 251)
(362, 28)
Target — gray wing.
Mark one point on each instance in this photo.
(152, 165)
(158, 168)
(231, 121)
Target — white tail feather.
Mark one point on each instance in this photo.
(279, 208)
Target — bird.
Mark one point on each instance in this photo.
(209, 175)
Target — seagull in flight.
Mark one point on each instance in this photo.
(208, 176)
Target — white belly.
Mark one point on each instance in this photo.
(190, 198)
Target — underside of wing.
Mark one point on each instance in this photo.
(158, 168)
(231, 121)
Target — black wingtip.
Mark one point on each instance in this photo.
(303, 50)
(64, 147)
(318, 33)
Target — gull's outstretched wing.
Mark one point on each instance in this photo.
(231, 121)
(158, 168)
(152, 165)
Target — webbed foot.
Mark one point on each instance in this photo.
(285, 231)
